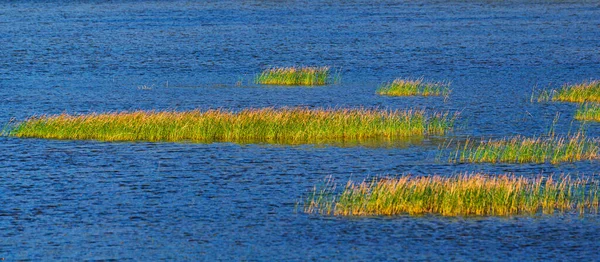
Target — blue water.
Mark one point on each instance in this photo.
(89, 200)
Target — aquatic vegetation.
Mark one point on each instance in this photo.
(404, 87)
(579, 93)
(295, 76)
(588, 112)
(521, 149)
(459, 195)
(541, 95)
(270, 125)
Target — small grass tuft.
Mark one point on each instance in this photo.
(521, 149)
(588, 112)
(308, 76)
(459, 195)
(541, 95)
(405, 87)
(267, 125)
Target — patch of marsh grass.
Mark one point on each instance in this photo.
(588, 91)
(269, 125)
(407, 87)
(579, 93)
(459, 195)
(588, 112)
(519, 149)
(307, 75)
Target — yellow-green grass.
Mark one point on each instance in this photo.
(308, 76)
(407, 87)
(579, 93)
(588, 112)
(521, 149)
(458, 195)
(268, 125)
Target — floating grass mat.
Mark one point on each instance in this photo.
(588, 112)
(308, 76)
(521, 149)
(287, 126)
(404, 87)
(459, 195)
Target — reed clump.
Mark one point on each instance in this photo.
(459, 195)
(407, 87)
(579, 93)
(588, 112)
(519, 149)
(269, 125)
(307, 75)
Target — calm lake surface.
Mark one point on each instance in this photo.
(90, 200)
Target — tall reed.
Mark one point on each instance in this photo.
(521, 149)
(295, 76)
(270, 125)
(407, 87)
(459, 195)
(588, 112)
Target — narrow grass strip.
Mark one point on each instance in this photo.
(521, 149)
(459, 195)
(588, 112)
(288, 125)
(307, 75)
(579, 93)
(407, 87)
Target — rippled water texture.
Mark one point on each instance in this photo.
(75, 200)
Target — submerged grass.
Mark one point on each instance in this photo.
(588, 112)
(288, 125)
(521, 149)
(295, 76)
(460, 195)
(405, 87)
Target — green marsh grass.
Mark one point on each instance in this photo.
(405, 87)
(577, 93)
(588, 112)
(519, 149)
(269, 125)
(459, 195)
(308, 76)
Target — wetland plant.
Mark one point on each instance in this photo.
(458, 195)
(406, 87)
(308, 76)
(519, 149)
(578, 93)
(269, 125)
(541, 95)
(588, 112)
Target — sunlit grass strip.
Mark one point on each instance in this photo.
(294, 76)
(404, 87)
(579, 93)
(588, 112)
(460, 195)
(288, 125)
(529, 150)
